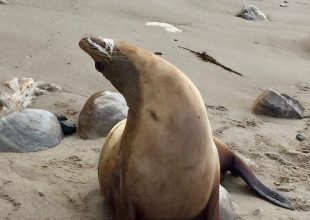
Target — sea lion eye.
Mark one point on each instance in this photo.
(99, 66)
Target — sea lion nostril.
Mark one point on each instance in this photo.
(98, 42)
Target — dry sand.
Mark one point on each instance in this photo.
(39, 39)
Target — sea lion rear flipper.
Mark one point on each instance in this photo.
(231, 162)
(243, 170)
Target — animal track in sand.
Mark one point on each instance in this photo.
(78, 202)
(218, 108)
(291, 171)
(302, 86)
(68, 168)
(245, 123)
(15, 204)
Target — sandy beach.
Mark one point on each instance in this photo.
(39, 39)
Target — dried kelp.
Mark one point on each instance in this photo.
(207, 58)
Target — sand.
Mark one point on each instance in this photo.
(39, 39)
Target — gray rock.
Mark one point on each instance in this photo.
(100, 113)
(278, 105)
(29, 130)
(3, 2)
(226, 205)
(251, 12)
(300, 137)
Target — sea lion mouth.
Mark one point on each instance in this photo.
(99, 48)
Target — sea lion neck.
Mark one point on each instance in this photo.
(124, 76)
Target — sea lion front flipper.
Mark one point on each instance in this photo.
(212, 211)
(123, 208)
(229, 161)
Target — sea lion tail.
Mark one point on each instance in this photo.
(240, 168)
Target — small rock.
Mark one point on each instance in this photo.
(283, 5)
(251, 12)
(100, 113)
(3, 2)
(41, 193)
(29, 130)
(300, 137)
(158, 53)
(271, 103)
(67, 127)
(175, 39)
(62, 118)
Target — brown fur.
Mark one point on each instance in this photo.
(162, 161)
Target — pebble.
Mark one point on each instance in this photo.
(300, 137)
(251, 12)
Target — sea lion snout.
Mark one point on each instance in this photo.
(99, 48)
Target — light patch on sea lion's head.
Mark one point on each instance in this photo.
(99, 48)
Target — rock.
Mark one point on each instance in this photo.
(100, 113)
(251, 12)
(226, 205)
(158, 53)
(41, 193)
(29, 130)
(278, 105)
(300, 137)
(3, 2)
(66, 127)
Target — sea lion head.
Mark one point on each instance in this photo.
(103, 50)
(111, 58)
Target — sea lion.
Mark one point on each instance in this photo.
(162, 162)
